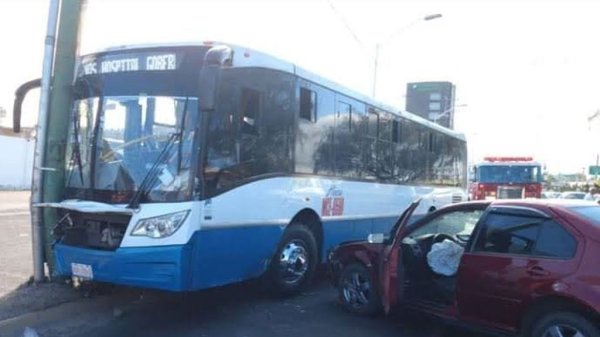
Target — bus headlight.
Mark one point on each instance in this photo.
(160, 226)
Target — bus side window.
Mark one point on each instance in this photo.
(308, 105)
(396, 131)
(371, 142)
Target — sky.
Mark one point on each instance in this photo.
(527, 73)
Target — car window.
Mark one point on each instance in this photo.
(555, 241)
(458, 222)
(525, 235)
(591, 213)
(504, 233)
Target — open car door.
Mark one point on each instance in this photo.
(389, 271)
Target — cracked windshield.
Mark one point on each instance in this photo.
(117, 139)
(265, 168)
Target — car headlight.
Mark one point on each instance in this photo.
(160, 226)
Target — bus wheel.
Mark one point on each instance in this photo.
(295, 261)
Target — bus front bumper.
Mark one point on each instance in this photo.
(164, 267)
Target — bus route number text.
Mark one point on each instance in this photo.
(333, 203)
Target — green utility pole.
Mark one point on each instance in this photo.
(58, 118)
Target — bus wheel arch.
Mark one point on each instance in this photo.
(312, 221)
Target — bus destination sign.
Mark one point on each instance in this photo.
(109, 64)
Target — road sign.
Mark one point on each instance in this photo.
(594, 170)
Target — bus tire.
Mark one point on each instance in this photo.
(295, 261)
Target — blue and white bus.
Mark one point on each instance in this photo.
(197, 165)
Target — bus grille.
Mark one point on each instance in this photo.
(510, 192)
(104, 232)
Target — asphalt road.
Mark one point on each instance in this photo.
(241, 311)
(244, 310)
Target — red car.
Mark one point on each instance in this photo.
(524, 267)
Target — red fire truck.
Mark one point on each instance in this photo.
(505, 178)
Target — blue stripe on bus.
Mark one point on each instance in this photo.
(234, 254)
(211, 258)
(166, 267)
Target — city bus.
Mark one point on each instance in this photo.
(190, 166)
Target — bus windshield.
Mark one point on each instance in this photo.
(509, 174)
(115, 140)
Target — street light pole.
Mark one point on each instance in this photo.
(590, 119)
(376, 63)
(391, 36)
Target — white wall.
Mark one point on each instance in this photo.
(16, 162)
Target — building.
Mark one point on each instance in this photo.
(432, 100)
(17, 162)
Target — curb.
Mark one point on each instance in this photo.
(14, 211)
(16, 325)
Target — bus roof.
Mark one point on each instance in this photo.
(247, 57)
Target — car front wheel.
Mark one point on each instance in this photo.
(564, 324)
(357, 291)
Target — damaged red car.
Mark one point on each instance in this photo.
(515, 267)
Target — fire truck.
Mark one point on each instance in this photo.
(505, 178)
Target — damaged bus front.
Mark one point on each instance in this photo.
(134, 147)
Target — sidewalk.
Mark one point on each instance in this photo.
(14, 201)
(15, 241)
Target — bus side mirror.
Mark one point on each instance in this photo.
(209, 81)
(20, 94)
(214, 59)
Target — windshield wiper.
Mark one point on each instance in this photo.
(154, 171)
(181, 128)
(77, 146)
(76, 151)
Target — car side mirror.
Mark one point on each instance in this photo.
(376, 238)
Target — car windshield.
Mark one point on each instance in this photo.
(452, 223)
(509, 174)
(115, 140)
(591, 213)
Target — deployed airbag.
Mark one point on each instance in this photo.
(444, 257)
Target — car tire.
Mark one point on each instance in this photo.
(567, 323)
(357, 291)
(295, 261)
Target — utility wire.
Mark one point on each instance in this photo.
(346, 24)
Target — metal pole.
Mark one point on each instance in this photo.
(37, 227)
(61, 100)
(375, 65)
(391, 36)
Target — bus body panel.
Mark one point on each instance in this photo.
(232, 237)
